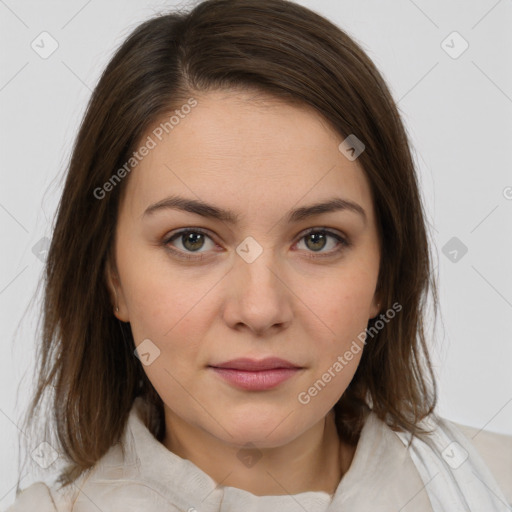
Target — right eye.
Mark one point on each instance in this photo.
(191, 241)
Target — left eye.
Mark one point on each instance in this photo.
(317, 240)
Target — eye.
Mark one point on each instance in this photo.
(188, 243)
(316, 239)
(191, 240)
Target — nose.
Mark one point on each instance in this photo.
(259, 299)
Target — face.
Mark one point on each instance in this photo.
(201, 289)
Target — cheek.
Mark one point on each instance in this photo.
(343, 301)
(173, 314)
(167, 317)
(342, 304)
(160, 301)
(329, 380)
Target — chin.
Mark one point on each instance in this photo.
(241, 439)
(264, 432)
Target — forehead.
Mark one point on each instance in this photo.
(244, 152)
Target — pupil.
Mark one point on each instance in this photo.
(191, 238)
(320, 237)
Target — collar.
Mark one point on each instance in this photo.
(140, 473)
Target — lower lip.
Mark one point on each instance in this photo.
(256, 380)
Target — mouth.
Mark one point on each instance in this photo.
(256, 375)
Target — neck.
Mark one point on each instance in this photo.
(315, 461)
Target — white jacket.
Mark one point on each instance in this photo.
(445, 475)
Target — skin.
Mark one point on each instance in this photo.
(260, 158)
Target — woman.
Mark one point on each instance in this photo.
(236, 285)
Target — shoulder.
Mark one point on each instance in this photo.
(113, 479)
(455, 465)
(49, 497)
(496, 451)
(35, 498)
(52, 497)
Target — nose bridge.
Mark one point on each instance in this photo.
(257, 266)
(259, 297)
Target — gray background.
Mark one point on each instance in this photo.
(458, 112)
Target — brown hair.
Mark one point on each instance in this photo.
(87, 367)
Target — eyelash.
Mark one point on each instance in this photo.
(343, 243)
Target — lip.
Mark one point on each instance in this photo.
(248, 364)
(256, 375)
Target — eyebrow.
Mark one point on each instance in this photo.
(210, 211)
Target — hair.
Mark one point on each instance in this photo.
(87, 372)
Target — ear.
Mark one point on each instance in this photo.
(115, 291)
(375, 307)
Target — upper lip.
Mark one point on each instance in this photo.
(244, 363)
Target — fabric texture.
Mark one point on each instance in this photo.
(443, 473)
(496, 450)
